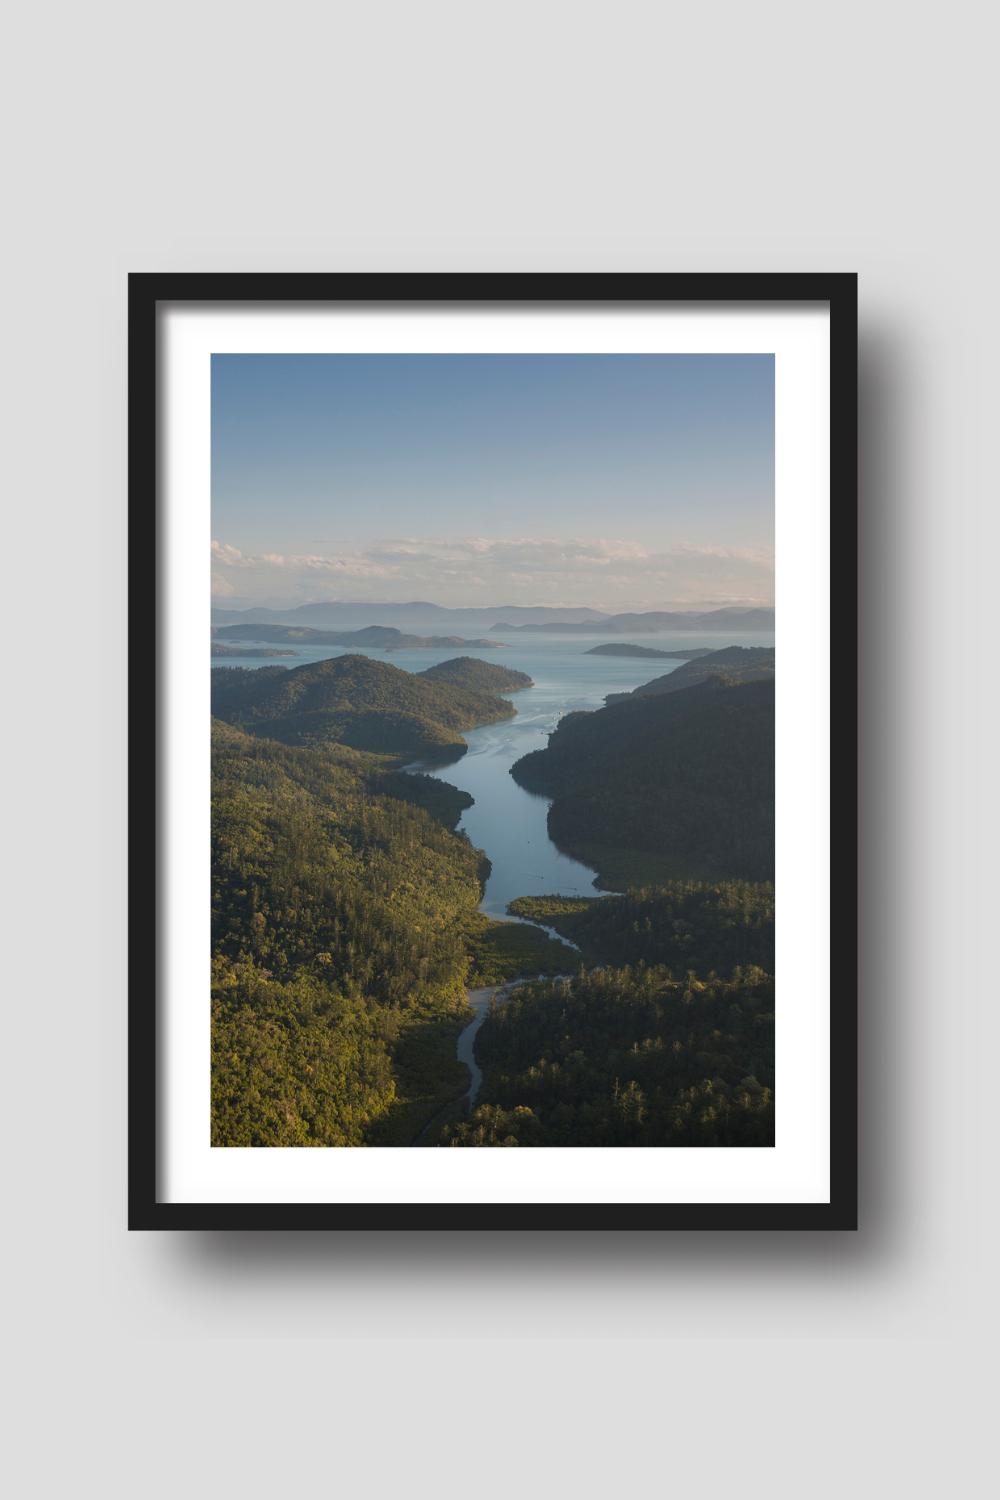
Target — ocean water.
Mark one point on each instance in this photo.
(507, 822)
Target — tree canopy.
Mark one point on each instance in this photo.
(344, 934)
(738, 663)
(634, 1056)
(479, 676)
(355, 701)
(688, 774)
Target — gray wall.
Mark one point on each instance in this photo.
(523, 136)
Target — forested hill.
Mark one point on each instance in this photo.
(344, 932)
(741, 663)
(688, 775)
(479, 676)
(732, 621)
(336, 943)
(352, 700)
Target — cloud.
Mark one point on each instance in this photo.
(476, 570)
(228, 556)
(357, 565)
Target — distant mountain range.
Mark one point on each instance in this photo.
(418, 613)
(655, 621)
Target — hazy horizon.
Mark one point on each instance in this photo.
(614, 482)
(240, 604)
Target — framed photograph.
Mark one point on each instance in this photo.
(489, 875)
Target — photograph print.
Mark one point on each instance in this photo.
(493, 750)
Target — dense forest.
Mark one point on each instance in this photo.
(674, 1045)
(684, 924)
(739, 663)
(636, 1056)
(479, 676)
(226, 680)
(344, 931)
(354, 701)
(689, 775)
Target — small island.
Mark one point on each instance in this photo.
(249, 651)
(437, 642)
(373, 636)
(616, 648)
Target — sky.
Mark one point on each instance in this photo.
(619, 481)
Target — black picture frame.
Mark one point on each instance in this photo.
(148, 294)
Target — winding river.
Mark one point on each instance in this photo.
(480, 1001)
(507, 822)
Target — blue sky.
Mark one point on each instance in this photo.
(612, 480)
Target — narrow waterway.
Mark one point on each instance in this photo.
(507, 822)
(480, 1002)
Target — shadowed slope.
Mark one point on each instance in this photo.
(688, 774)
(741, 663)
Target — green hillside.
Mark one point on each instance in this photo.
(478, 676)
(683, 924)
(344, 932)
(354, 701)
(687, 775)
